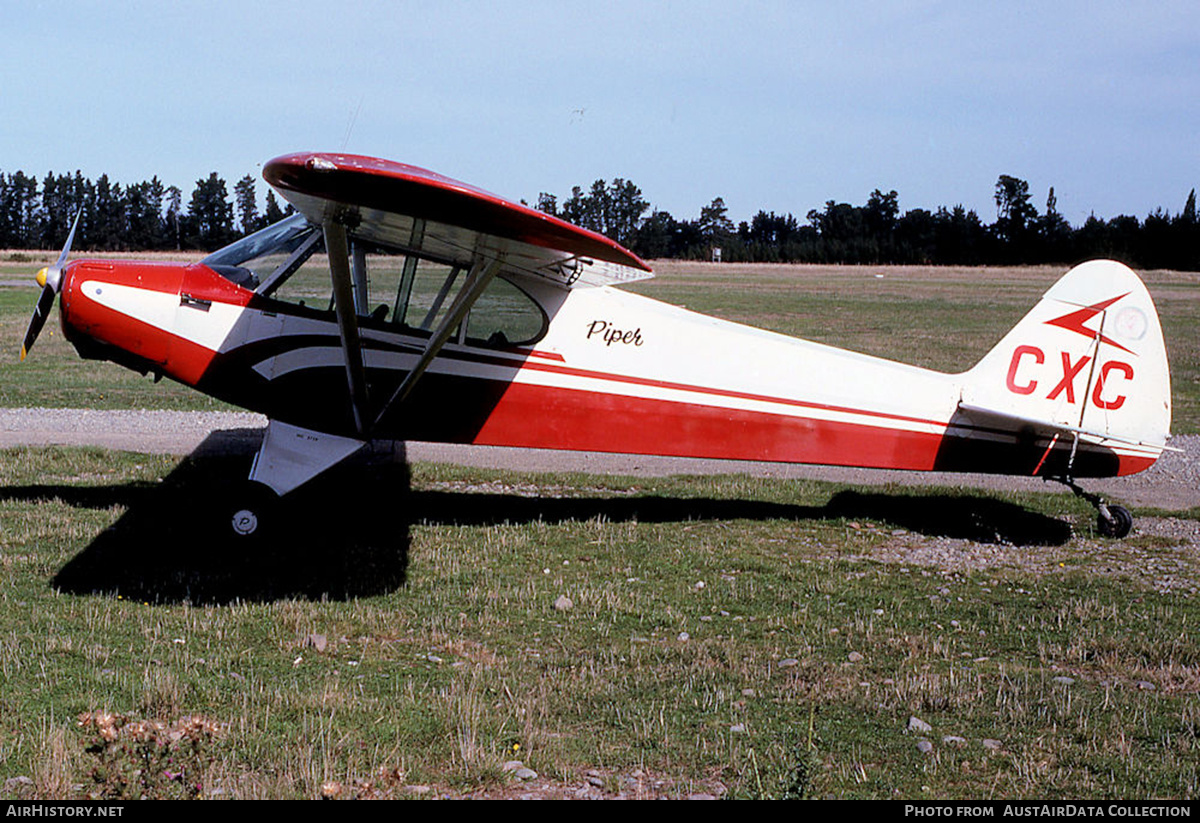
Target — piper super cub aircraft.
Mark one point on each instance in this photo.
(445, 313)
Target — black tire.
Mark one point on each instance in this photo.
(1118, 524)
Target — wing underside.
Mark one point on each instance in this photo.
(411, 209)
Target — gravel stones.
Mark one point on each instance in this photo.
(916, 724)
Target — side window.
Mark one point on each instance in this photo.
(307, 287)
(505, 316)
(426, 291)
(407, 291)
(375, 277)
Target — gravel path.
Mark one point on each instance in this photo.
(1173, 483)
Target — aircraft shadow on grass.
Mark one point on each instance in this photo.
(346, 534)
(332, 539)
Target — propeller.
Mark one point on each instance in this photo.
(50, 279)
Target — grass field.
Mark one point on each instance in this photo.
(729, 636)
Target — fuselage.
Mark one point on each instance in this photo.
(611, 371)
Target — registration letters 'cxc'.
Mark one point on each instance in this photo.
(1103, 377)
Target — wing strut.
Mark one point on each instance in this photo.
(344, 303)
(482, 272)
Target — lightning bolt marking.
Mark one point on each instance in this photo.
(1074, 321)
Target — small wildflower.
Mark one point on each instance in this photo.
(159, 754)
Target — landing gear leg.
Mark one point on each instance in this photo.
(1111, 521)
(288, 458)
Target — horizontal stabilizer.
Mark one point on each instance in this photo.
(1046, 428)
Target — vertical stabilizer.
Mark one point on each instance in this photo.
(1089, 358)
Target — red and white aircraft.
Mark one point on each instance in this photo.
(445, 313)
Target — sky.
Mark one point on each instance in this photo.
(778, 106)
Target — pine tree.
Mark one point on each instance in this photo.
(247, 205)
(173, 219)
(273, 213)
(210, 214)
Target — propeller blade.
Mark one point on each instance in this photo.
(62, 258)
(40, 312)
(49, 278)
(52, 275)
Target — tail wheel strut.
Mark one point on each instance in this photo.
(1111, 520)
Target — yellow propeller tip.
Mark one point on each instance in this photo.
(41, 276)
(22, 354)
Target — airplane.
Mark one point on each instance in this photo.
(399, 304)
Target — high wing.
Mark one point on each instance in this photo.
(417, 210)
(364, 200)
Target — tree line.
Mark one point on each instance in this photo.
(136, 217)
(151, 216)
(878, 233)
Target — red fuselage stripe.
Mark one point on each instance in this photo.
(717, 392)
(556, 418)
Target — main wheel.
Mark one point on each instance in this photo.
(1117, 524)
(249, 512)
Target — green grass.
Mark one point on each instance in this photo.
(792, 671)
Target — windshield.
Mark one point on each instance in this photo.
(250, 260)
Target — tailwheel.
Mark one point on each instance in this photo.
(1111, 521)
(1118, 523)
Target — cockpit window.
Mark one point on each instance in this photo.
(414, 295)
(250, 261)
(392, 290)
